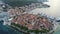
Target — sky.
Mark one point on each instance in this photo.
(54, 9)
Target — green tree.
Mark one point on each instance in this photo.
(18, 3)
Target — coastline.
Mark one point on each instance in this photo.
(54, 28)
(56, 25)
(57, 31)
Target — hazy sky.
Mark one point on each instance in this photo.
(54, 10)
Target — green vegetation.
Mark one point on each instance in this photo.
(18, 3)
(21, 27)
(26, 29)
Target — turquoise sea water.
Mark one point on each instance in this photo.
(7, 30)
(57, 31)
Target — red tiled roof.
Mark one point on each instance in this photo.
(30, 17)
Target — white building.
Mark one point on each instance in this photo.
(5, 17)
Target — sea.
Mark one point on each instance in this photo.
(7, 30)
(57, 31)
(54, 10)
(4, 29)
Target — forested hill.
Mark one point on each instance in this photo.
(18, 2)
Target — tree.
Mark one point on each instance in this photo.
(18, 3)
